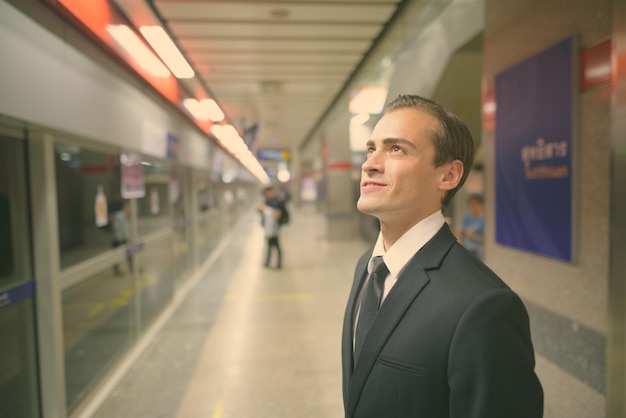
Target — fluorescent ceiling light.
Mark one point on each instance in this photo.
(225, 132)
(194, 107)
(216, 130)
(167, 50)
(132, 44)
(214, 111)
(204, 109)
(230, 132)
(228, 136)
(370, 99)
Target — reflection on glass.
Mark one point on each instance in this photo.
(19, 392)
(6, 233)
(156, 277)
(14, 227)
(181, 221)
(19, 396)
(206, 193)
(153, 210)
(97, 328)
(83, 179)
(209, 222)
(119, 226)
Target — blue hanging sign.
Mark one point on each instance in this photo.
(534, 148)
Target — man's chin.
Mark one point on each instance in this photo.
(363, 207)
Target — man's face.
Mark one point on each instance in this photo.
(475, 207)
(399, 181)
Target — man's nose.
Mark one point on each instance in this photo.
(373, 162)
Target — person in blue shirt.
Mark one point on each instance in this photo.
(472, 229)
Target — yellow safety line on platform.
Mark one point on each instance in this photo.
(288, 297)
(274, 298)
(219, 410)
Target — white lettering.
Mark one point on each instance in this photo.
(543, 150)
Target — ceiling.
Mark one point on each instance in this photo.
(278, 64)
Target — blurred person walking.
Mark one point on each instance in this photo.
(118, 212)
(271, 213)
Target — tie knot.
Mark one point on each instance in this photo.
(379, 268)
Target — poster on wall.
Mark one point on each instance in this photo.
(132, 176)
(100, 208)
(172, 147)
(534, 146)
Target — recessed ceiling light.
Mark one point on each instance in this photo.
(280, 13)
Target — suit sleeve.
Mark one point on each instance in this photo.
(491, 361)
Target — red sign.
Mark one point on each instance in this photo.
(595, 65)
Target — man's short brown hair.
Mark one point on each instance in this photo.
(452, 142)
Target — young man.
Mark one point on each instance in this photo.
(445, 336)
(472, 229)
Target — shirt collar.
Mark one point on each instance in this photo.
(408, 244)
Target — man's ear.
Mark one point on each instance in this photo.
(451, 176)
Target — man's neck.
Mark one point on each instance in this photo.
(392, 231)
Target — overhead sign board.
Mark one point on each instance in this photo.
(273, 155)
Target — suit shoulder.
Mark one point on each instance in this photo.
(461, 265)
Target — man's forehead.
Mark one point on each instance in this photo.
(410, 114)
(406, 123)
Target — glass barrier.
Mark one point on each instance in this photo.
(181, 221)
(153, 209)
(19, 394)
(87, 183)
(19, 388)
(157, 273)
(97, 329)
(14, 228)
(209, 223)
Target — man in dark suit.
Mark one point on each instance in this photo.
(446, 337)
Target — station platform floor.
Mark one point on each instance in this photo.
(244, 341)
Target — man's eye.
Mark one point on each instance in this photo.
(396, 148)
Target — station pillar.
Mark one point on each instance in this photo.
(340, 185)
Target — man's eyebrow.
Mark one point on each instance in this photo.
(392, 141)
(395, 141)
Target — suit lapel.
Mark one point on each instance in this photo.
(348, 336)
(410, 283)
(406, 289)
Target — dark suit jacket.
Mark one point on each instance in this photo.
(450, 340)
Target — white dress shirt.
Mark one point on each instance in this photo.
(405, 248)
(397, 257)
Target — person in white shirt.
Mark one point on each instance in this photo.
(429, 330)
(271, 213)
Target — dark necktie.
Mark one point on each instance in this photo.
(370, 303)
